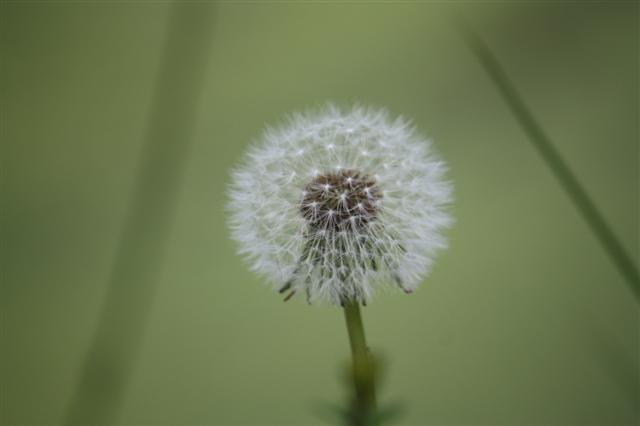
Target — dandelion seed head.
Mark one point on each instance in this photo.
(337, 204)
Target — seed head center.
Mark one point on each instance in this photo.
(340, 201)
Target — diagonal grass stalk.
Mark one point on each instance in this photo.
(112, 352)
(551, 156)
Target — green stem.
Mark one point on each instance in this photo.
(363, 368)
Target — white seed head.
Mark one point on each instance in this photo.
(336, 204)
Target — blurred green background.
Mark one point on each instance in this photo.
(524, 320)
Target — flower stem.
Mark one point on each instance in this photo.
(363, 369)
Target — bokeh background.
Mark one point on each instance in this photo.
(524, 320)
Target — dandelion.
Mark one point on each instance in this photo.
(338, 204)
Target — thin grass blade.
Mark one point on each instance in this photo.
(551, 156)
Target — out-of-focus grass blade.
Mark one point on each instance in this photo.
(543, 144)
(111, 355)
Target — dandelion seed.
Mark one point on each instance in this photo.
(337, 204)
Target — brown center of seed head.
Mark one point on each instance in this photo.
(340, 201)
